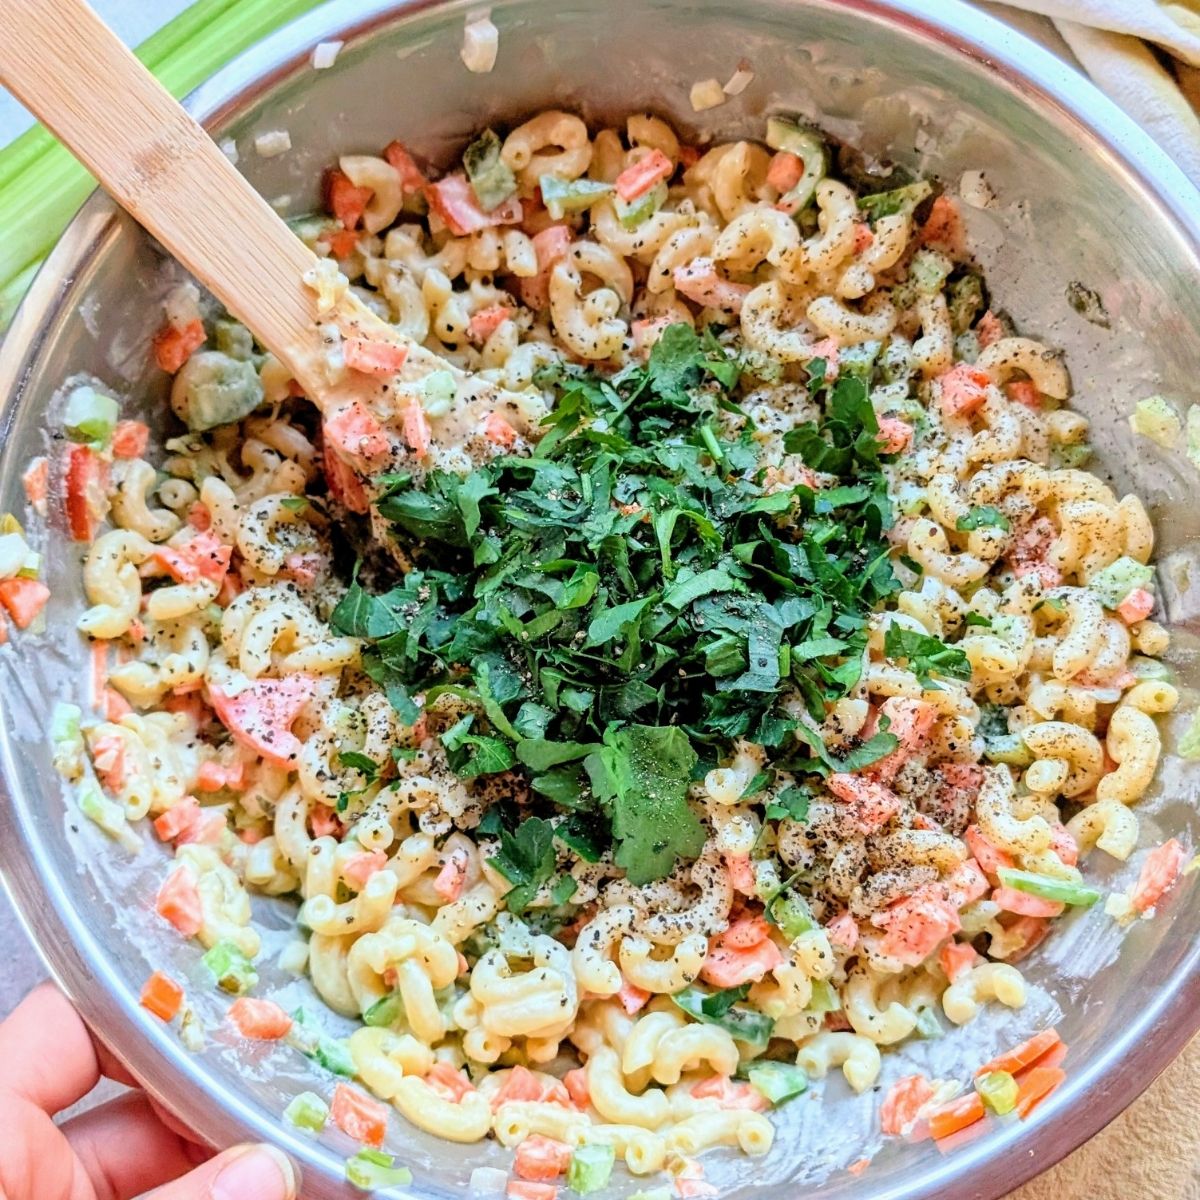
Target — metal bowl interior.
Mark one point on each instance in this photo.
(1081, 196)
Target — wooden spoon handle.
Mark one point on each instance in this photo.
(64, 63)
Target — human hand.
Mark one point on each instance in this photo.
(121, 1149)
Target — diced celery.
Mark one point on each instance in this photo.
(1151, 668)
(778, 1081)
(213, 389)
(1047, 887)
(928, 271)
(590, 1169)
(1116, 581)
(1007, 748)
(231, 969)
(372, 1169)
(14, 553)
(896, 200)
(66, 738)
(307, 1111)
(491, 179)
(967, 347)
(928, 1026)
(662, 1193)
(32, 566)
(562, 196)
(998, 1090)
(1189, 744)
(10, 524)
(438, 390)
(859, 360)
(107, 814)
(90, 416)
(234, 339)
(304, 1034)
(965, 300)
(1072, 456)
(385, 1012)
(633, 212)
(791, 913)
(1192, 421)
(1156, 418)
(334, 1055)
(824, 997)
(810, 149)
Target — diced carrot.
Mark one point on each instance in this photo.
(115, 705)
(525, 1189)
(449, 1079)
(639, 177)
(894, 435)
(741, 873)
(498, 431)
(486, 321)
(454, 201)
(1015, 1061)
(966, 883)
(449, 881)
(342, 243)
(1031, 931)
(130, 439)
(988, 328)
(262, 1020)
(858, 1166)
(646, 331)
(362, 1118)
(1025, 905)
(700, 281)
(354, 430)
(261, 716)
(324, 822)
(1025, 393)
(633, 999)
(743, 953)
(87, 492)
(1159, 872)
(342, 198)
(550, 245)
(99, 680)
(108, 757)
(991, 858)
(173, 344)
(957, 957)
(24, 599)
(1030, 551)
(303, 567)
(411, 178)
(198, 516)
(1063, 844)
(1054, 1057)
(828, 350)
(910, 722)
(958, 1114)
(416, 429)
(915, 924)
(204, 556)
(843, 931)
(745, 933)
(3, 632)
(962, 390)
(36, 482)
(689, 156)
(785, 171)
(178, 902)
(373, 358)
(1137, 606)
(867, 803)
(162, 996)
(575, 1081)
(541, 1158)
(730, 1094)
(903, 1103)
(344, 485)
(358, 868)
(179, 817)
(520, 1084)
(863, 236)
(944, 227)
(1035, 1086)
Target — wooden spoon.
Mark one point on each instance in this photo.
(67, 66)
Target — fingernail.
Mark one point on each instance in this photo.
(256, 1173)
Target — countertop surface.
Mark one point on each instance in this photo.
(1152, 1152)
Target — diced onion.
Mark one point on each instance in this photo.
(272, 143)
(975, 189)
(481, 44)
(325, 54)
(488, 1181)
(740, 80)
(182, 305)
(708, 93)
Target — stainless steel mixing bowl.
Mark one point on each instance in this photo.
(1081, 196)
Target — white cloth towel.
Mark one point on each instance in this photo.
(1146, 55)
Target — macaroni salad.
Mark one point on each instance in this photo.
(701, 661)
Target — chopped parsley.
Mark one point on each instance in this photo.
(614, 609)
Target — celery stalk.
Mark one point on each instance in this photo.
(42, 186)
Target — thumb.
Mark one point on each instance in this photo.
(240, 1173)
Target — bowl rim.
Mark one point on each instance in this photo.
(1095, 1094)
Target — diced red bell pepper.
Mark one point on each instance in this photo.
(87, 477)
(261, 716)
